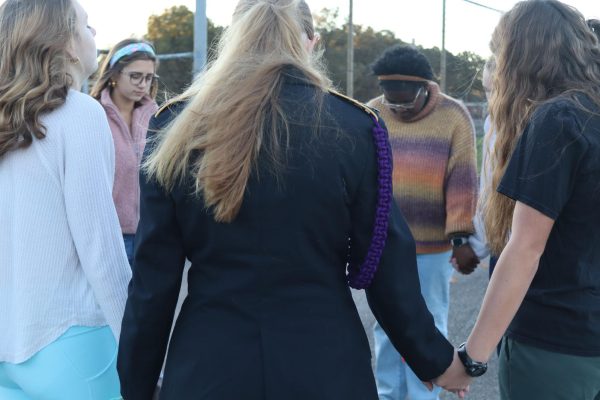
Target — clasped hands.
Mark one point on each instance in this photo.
(454, 379)
(464, 259)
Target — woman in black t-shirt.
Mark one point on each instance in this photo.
(545, 196)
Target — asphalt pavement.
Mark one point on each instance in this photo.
(466, 294)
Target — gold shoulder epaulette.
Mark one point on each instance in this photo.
(356, 103)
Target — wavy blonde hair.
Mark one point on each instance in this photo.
(108, 73)
(34, 65)
(233, 109)
(543, 49)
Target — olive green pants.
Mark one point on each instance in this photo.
(531, 373)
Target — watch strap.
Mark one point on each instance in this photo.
(473, 368)
(458, 241)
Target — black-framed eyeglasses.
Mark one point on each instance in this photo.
(404, 105)
(136, 78)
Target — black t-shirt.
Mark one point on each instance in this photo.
(556, 170)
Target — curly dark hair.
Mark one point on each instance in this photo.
(403, 59)
(594, 25)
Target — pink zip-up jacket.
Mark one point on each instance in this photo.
(129, 147)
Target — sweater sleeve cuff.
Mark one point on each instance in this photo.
(465, 229)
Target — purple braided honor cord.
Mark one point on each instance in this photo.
(361, 278)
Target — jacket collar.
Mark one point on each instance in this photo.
(293, 76)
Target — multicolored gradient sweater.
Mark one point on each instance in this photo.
(435, 175)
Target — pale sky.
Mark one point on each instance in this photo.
(468, 27)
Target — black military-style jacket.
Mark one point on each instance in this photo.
(269, 314)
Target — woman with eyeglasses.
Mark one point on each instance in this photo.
(126, 88)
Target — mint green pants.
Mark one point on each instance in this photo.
(530, 373)
(79, 365)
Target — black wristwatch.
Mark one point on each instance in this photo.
(459, 241)
(473, 368)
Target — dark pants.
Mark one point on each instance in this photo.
(493, 261)
(531, 373)
(129, 241)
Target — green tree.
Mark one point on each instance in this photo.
(466, 71)
(173, 32)
(368, 45)
(463, 70)
(333, 44)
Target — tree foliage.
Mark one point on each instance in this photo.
(172, 32)
(462, 70)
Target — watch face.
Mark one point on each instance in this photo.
(457, 242)
(476, 370)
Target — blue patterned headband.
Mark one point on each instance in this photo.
(130, 49)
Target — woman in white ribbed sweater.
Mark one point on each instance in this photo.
(63, 268)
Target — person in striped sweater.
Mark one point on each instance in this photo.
(435, 185)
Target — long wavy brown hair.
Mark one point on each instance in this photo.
(543, 49)
(233, 108)
(106, 73)
(34, 65)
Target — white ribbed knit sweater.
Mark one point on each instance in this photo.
(62, 259)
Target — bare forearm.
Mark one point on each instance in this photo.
(509, 284)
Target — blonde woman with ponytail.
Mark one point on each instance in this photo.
(542, 207)
(271, 185)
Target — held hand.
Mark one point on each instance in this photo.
(455, 379)
(464, 259)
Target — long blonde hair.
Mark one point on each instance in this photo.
(233, 109)
(543, 49)
(34, 65)
(108, 73)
